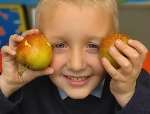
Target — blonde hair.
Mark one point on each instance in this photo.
(110, 5)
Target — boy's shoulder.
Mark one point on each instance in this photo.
(144, 79)
(41, 85)
(40, 82)
(140, 102)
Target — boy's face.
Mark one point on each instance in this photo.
(75, 34)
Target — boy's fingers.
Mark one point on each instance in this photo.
(47, 71)
(5, 50)
(11, 41)
(18, 39)
(27, 75)
(32, 31)
(127, 50)
(14, 39)
(111, 70)
(120, 59)
(130, 52)
(139, 47)
(44, 72)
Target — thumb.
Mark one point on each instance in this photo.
(44, 72)
(30, 75)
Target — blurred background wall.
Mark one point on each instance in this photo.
(134, 18)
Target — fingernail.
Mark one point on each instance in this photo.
(130, 41)
(118, 41)
(13, 53)
(21, 37)
(12, 36)
(36, 30)
(112, 48)
(104, 59)
(51, 70)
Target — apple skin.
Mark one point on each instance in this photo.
(107, 42)
(34, 52)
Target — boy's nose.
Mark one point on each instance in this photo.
(76, 61)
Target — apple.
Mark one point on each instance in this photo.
(34, 52)
(107, 42)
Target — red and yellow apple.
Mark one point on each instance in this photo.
(107, 42)
(34, 52)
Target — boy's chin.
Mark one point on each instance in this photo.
(78, 96)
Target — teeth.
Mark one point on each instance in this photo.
(77, 78)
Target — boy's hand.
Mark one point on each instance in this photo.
(130, 57)
(14, 75)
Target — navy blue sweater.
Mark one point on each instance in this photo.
(42, 97)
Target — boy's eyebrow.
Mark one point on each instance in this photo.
(93, 38)
(57, 38)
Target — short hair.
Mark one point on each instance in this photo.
(110, 5)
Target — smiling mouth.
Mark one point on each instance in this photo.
(74, 78)
(75, 81)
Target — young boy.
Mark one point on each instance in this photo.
(78, 81)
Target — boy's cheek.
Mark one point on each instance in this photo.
(96, 63)
(58, 62)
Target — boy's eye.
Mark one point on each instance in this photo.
(92, 45)
(92, 48)
(59, 45)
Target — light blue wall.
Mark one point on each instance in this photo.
(26, 2)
